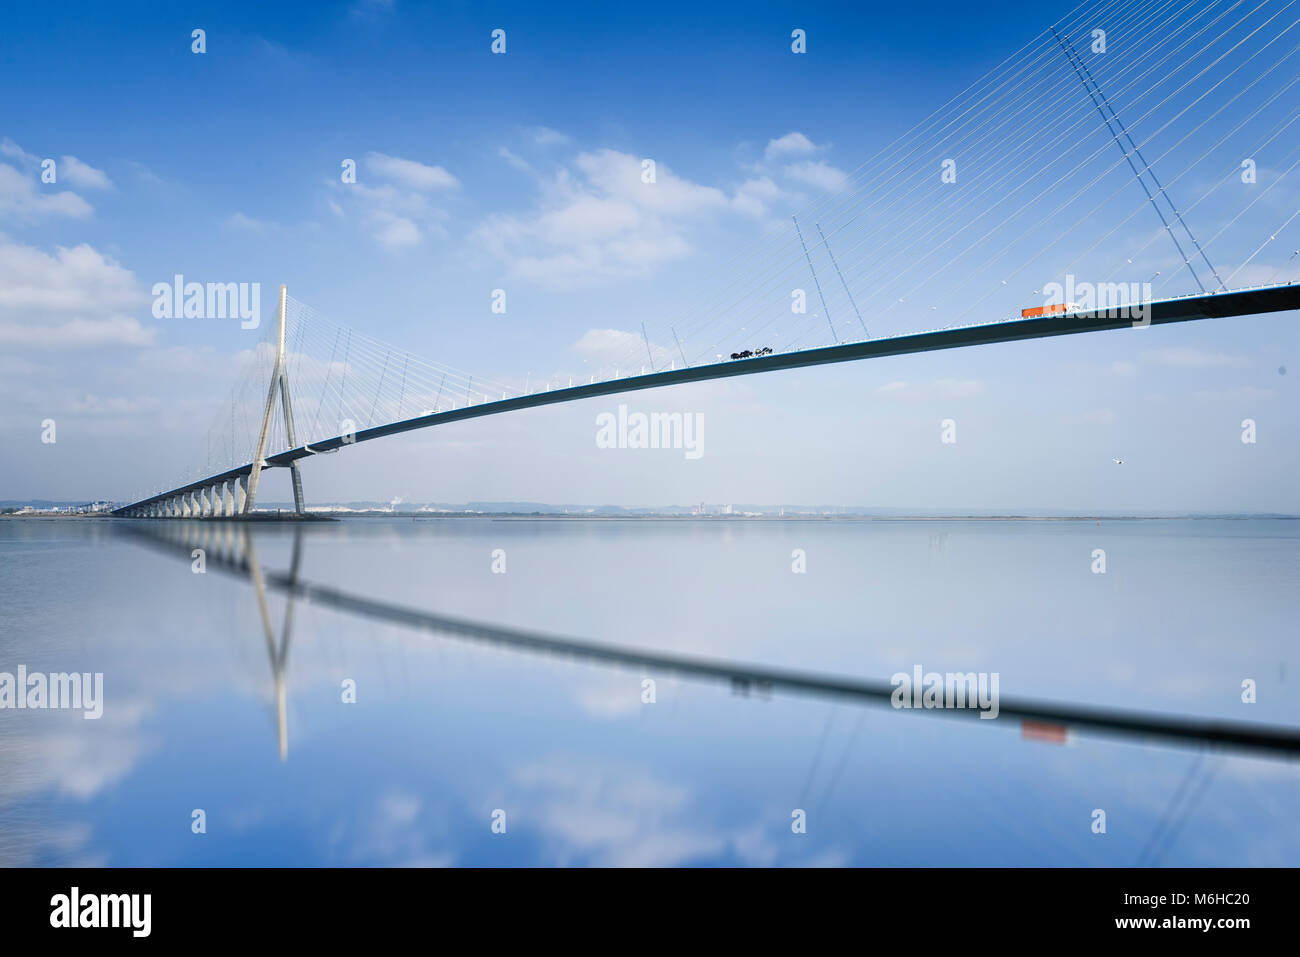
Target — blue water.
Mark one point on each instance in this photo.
(444, 732)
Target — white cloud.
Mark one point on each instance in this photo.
(74, 278)
(55, 758)
(395, 209)
(588, 217)
(395, 833)
(545, 136)
(618, 175)
(617, 345)
(241, 221)
(23, 199)
(598, 220)
(518, 162)
(753, 196)
(615, 817)
(90, 404)
(792, 144)
(395, 230)
(77, 333)
(817, 173)
(145, 174)
(791, 156)
(608, 697)
(74, 171)
(73, 297)
(409, 173)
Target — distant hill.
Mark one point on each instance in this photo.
(742, 509)
(738, 510)
(44, 503)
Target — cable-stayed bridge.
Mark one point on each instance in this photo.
(1132, 165)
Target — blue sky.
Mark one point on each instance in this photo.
(479, 171)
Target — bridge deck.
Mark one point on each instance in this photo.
(1242, 302)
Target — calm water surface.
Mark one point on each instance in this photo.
(204, 710)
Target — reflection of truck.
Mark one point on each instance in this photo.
(1055, 309)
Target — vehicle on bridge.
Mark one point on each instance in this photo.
(751, 354)
(1055, 309)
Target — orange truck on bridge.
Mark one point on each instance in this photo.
(1056, 309)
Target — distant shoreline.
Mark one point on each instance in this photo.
(314, 515)
(543, 516)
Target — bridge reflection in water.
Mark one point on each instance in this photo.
(229, 548)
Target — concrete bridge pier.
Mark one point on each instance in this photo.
(225, 499)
